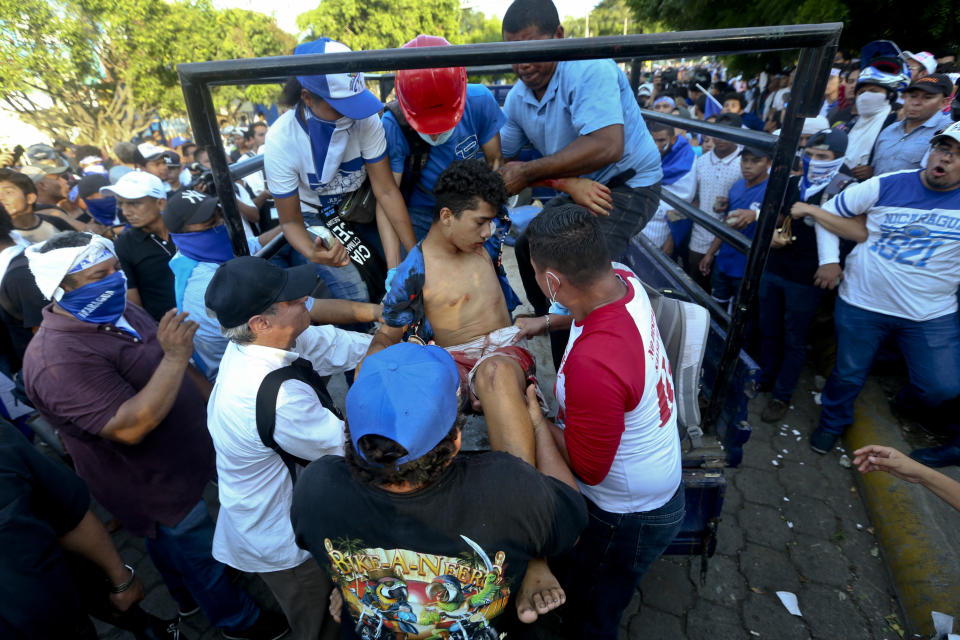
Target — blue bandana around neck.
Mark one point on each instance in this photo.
(321, 134)
(678, 161)
(209, 245)
(103, 210)
(100, 302)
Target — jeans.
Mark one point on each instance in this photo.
(613, 553)
(723, 288)
(183, 555)
(931, 349)
(786, 310)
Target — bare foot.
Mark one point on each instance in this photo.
(539, 593)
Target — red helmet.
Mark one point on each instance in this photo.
(432, 100)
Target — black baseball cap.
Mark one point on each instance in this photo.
(188, 207)
(757, 152)
(729, 119)
(933, 83)
(91, 184)
(829, 140)
(245, 286)
(171, 158)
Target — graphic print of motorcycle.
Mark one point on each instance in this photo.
(369, 624)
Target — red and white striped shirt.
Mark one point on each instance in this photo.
(617, 405)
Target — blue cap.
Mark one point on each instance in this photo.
(407, 393)
(345, 92)
(177, 141)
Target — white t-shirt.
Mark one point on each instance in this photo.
(617, 405)
(253, 527)
(909, 266)
(685, 188)
(288, 160)
(715, 176)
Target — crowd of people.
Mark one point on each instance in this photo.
(163, 362)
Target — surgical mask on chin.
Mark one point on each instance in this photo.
(871, 103)
(442, 138)
(100, 302)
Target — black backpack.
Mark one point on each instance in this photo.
(267, 407)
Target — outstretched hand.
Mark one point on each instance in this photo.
(875, 457)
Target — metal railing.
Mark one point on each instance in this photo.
(817, 44)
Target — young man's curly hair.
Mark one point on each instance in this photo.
(383, 454)
(464, 184)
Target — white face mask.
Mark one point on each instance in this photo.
(443, 137)
(871, 103)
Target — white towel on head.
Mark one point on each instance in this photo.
(49, 268)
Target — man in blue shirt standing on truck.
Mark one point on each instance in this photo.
(583, 120)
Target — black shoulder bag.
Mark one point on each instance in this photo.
(301, 370)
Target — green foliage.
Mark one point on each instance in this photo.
(608, 18)
(929, 25)
(381, 24)
(96, 71)
(477, 27)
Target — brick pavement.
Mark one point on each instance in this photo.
(798, 525)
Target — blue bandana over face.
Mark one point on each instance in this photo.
(103, 210)
(100, 302)
(209, 245)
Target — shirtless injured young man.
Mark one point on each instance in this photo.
(451, 291)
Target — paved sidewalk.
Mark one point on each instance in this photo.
(793, 521)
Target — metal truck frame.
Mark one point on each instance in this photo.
(728, 373)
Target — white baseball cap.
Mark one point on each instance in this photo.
(137, 184)
(953, 132)
(149, 151)
(345, 92)
(925, 58)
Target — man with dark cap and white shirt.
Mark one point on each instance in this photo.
(262, 310)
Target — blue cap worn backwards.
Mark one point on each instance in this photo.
(407, 393)
(345, 92)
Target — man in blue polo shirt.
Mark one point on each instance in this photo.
(455, 120)
(903, 145)
(582, 118)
